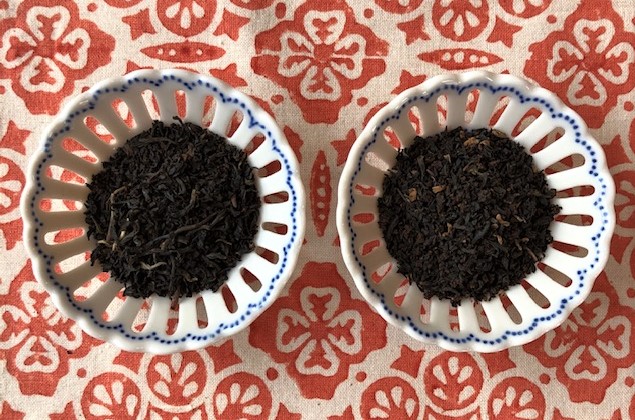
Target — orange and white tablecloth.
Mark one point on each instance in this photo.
(322, 68)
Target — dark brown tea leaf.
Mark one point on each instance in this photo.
(173, 211)
(479, 220)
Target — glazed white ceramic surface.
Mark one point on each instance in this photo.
(100, 309)
(517, 316)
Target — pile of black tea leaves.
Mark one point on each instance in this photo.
(466, 214)
(173, 211)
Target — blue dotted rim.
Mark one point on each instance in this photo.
(583, 275)
(209, 85)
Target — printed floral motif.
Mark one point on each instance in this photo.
(589, 63)
(460, 20)
(111, 396)
(321, 57)
(319, 330)
(45, 48)
(390, 398)
(242, 395)
(590, 347)
(323, 68)
(453, 380)
(176, 379)
(516, 398)
(186, 17)
(177, 386)
(36, 340)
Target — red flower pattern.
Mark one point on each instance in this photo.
(45, 48)
(589, 63)
(321, 68)
(186, 17)
(242, 395)
(465, 20)
(36, 340)
(173, 378)
(460, 20)
(321, 57)
(591, 346)
(390, 398)
(319, 331)
(111, 396)
(453, 381)
(516, 398)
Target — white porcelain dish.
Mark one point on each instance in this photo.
(521, 313)
(123, 107)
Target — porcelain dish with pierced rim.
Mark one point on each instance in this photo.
(84, 134)
(559, 143)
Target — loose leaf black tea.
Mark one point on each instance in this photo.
(173, 211)
(466, 214)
